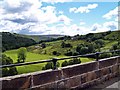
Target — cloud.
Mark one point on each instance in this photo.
(107, 26)
(20, 15)
(83, 9)
(111, 14)
(32, 17)
(82, 23)
(65, 19)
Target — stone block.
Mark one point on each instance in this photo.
(47, 86)
(104, 71)
(83, 78)
(46, 77)
(22, 82)
(79, 69)
(107, 62)
(91, 76)
(74, 81)
(115, 68)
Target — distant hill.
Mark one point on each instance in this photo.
(14, 41)
(38, 38)
(80, 44)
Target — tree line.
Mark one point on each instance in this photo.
(12, 41)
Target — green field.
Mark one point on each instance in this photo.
(35, 57)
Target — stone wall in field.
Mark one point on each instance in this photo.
(70, 77)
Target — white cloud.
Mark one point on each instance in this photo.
(65, 19)
(83, 9)
(31, 17)
(111, 25)
(21, 15)
(111, 14)
(82, 23)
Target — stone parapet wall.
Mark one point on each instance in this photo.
(70, 77)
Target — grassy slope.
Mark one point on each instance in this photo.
(38, 38)
(115, 34)
(55, 46)
(34, 57)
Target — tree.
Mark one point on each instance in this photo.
(55, 53)
(84, 50)
(91, 48)
(10, 70)
(66, 45)
(100, 42)
(43, 45)
(22, 54)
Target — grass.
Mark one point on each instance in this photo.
(35, 57)
(108, 45)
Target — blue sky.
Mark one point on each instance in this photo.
(57, 17)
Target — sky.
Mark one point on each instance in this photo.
(65, 17)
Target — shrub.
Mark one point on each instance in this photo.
(55, 53)
(65, 63)
(68, 53)
(74, 61)
(8, 71)
(49, 65)
(105, 55)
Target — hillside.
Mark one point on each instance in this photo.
(89, 43)
(12, 41)
(64, 47)
(38, 38)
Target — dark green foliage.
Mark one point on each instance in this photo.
(66, 45)
(22, 54)
(71, 62)
(74, 61)
(116, 47)
(92, 36)
(65, 63)
(85, 48)
(49, 65)
(43, 45)
(8, 71)
(105, 55)
(12, 41)
(99, 43)
(55, 53)
(68, 53)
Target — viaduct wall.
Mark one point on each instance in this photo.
(70, 77)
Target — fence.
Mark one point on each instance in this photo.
(54, 60)
(72, 77)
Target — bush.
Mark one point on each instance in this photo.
(66, 45)
(8, 71)
(71, 62)
(68, 53)
(43, 45)
(105, 55)
(55, 53)
(74, 61)
(65, 63)
(49, 65)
